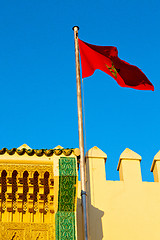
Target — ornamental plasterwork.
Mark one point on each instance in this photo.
(29, 194)
(26, 231)
(20, 168)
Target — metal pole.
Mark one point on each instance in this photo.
(80, 130)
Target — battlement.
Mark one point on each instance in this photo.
(124, 209)
(128, 166)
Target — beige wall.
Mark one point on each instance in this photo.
(128, 209)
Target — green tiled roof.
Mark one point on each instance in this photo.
(40, 152)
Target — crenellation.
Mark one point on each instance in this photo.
(129, 166)
(125, 209)
(155, 168)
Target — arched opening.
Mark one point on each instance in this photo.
(3, 186)
(46, 191)
(14, 189)
(36, 190)
(25, 188)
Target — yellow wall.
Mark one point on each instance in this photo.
(128, 209)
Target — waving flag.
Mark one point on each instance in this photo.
(105, 58)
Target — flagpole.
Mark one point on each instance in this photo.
(80, 130)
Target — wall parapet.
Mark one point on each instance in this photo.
(128, 166)
(155, 168)
(125, 209)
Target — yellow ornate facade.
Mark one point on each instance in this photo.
(38, 193)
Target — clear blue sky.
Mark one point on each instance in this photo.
(38, 85)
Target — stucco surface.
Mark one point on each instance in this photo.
(128, 209)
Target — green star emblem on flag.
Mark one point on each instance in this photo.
(112, 70)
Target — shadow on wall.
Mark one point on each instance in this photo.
(95, 222)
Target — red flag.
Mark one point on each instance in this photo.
(106, 59)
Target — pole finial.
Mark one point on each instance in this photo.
(75, 27)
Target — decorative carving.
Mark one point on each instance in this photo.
(39, 235)
(19, 213)
(14, 190)
(20, 168)
(29, 190)
(17, 234)
(3, 189)
(26, 231)
(46, 191)
(18, 188)
(25, 190)
(35, 191)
